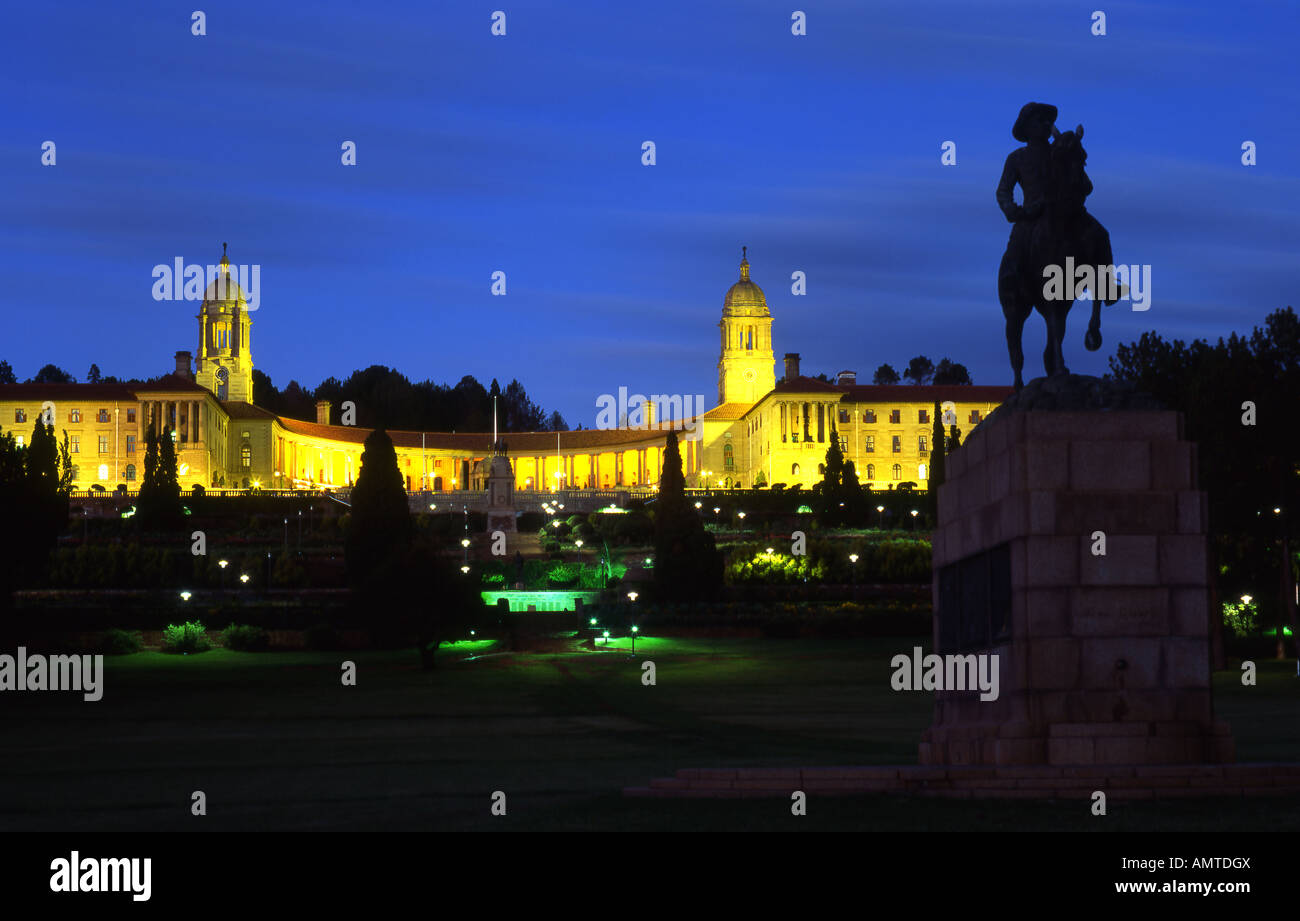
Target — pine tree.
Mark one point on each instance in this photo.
(380, 529)
(830, 491)
(687, 564)
(938, 467)
(857, 509)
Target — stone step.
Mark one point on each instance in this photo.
(1125, 782)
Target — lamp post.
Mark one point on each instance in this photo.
(914, 514)
(300, 532)
(286, 537)
(853, 570)
(880, 510)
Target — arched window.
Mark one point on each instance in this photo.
(728, 456)
(898, 471)
(871, 471)
(794, 469)
(821, 468)
(130, 472)
(922, 472)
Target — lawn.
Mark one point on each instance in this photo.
(276, 741)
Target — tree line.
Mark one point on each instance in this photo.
(384, 398)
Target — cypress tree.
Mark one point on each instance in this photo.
(687, 564)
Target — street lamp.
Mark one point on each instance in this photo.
(243, 577)
(699, 505)
(880, 509)
(185, 596)
(853, 571)
(914, 514)
(634, 633)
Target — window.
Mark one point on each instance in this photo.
(130, 472)
(844, 417)
(103, 444)
(19, 441)
(974, 415)
(74, 415)
(898, 471)
(871, 471)
(895, 416)
(76, 472)
(869, 415)
(923, 415)
(130, 444)
(103, 415)
(844, 445)
(728, 456)
(871, 445)
(821, 469)
(898, 444)
(130, 415)
(922, 445)
(246, 456)
(20, 415)
(74, 444)
(922, 472)
(794, 469)
(103, 471)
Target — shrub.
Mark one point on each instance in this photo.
(245, 638)
(563, 575)
(120, 643)
(323, 638)
(1242, 617)
(185, 638)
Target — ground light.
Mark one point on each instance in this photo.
(606, 637)
(243, 577)
(185, 596)
(699, 504)
(635, 631)
(465, 569)
(223, 563)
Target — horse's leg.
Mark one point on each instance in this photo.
(1053, 355)
(1016, 312)
(1092, 338)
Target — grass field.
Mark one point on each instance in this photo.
(276, 742)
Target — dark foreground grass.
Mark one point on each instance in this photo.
(276, 742)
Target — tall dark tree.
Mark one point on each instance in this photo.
(857, 501)
(938, 465)
(93, 376)
(408, 592)
(885, 374)
(1237, 400)
(950, 372)
(7, 375)
(920, 370)
(830, 491)
(159, 503)
(379, 529)
(688, 566)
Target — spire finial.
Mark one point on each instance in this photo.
(225, 260)
(744, 263)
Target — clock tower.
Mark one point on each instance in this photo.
(747, 366)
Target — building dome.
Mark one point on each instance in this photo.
(224, 293)
(744, 298)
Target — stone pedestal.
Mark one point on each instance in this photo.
(1104, 659)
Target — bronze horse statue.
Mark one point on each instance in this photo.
(1053, 225)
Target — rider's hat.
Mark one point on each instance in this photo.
(1032, 112)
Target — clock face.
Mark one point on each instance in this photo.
(751, 375)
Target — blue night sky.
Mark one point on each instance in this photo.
(522, 154)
